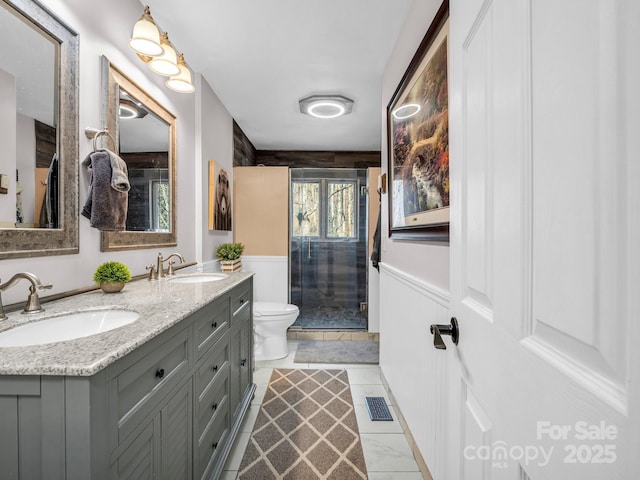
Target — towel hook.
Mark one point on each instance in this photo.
(94, 133)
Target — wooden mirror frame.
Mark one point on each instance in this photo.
(38, 242)
(113, 79)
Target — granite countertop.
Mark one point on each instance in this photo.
(160, 303)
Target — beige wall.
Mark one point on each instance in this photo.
(261, 210)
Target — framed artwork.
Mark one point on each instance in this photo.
(418, 141)
(219, 198)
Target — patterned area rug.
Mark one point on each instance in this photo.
(337, 351)
(306, 430)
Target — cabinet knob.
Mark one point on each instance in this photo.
(214, 325)
(215, 368)
(243, 362)
(160, 373)
(214, 407)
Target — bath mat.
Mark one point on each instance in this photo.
(338, 351)
(306, 429)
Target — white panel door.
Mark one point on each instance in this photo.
(544, 219)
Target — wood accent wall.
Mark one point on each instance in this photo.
(46, 144)
(244, 153)
(295, 159)
(146, 159)
(261, 210)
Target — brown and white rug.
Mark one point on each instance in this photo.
(306, 429)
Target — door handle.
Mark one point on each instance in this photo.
(439, 330)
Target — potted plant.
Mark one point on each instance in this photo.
(111, 276)
(229, 256)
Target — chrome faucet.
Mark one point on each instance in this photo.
(156, 272)
(33, 301)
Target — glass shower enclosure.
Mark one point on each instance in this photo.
(328, 247)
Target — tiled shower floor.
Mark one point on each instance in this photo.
(331, 318)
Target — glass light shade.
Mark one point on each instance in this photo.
(167, 63)
(145, 38)
(182, 82)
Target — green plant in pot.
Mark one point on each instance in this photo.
(111, 276)
(229, 255)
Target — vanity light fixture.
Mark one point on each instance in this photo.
(167, 63)
(182, 81)
(145, 38)
(326, 106)
(154, 48)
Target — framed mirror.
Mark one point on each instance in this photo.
(145, 136)
(38, 132)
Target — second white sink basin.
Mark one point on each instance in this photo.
(66, 327)
(198, 278)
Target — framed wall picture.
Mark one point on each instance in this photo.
(418, 141)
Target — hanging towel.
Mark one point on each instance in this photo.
(375, 251)
(108, 198)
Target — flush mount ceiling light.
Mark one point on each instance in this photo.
(326, 106)
(406, 111)
(129, 109)
(157, 52)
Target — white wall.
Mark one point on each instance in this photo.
(426, 262)
(214, 127)
(104, 29)
(413, 287)
(8, 142)
(26, 164)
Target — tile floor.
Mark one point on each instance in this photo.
(386, 450)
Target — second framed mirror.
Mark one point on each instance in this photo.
(144, 133)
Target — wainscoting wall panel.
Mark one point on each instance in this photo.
(415, 371)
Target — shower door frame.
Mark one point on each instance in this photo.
(323, 177)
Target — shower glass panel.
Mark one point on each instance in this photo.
(328, 254)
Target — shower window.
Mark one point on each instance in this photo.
(306, 209)
(324, 209)
(341, 210)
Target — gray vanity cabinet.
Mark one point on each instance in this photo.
(170, 409)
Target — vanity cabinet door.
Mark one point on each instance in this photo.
(160, 448)
(142, 379)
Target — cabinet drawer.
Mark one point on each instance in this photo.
(214, 401)
(138, 389)
(211, 442)
(214, 364)
(211, 324)
(241, 298)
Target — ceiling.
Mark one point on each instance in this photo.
(262, 56)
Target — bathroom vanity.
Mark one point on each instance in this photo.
(162, 397)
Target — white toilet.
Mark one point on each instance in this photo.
(270, 323)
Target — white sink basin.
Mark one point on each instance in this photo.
(66, 327)
(198, 278)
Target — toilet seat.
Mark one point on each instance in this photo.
(268, 309)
